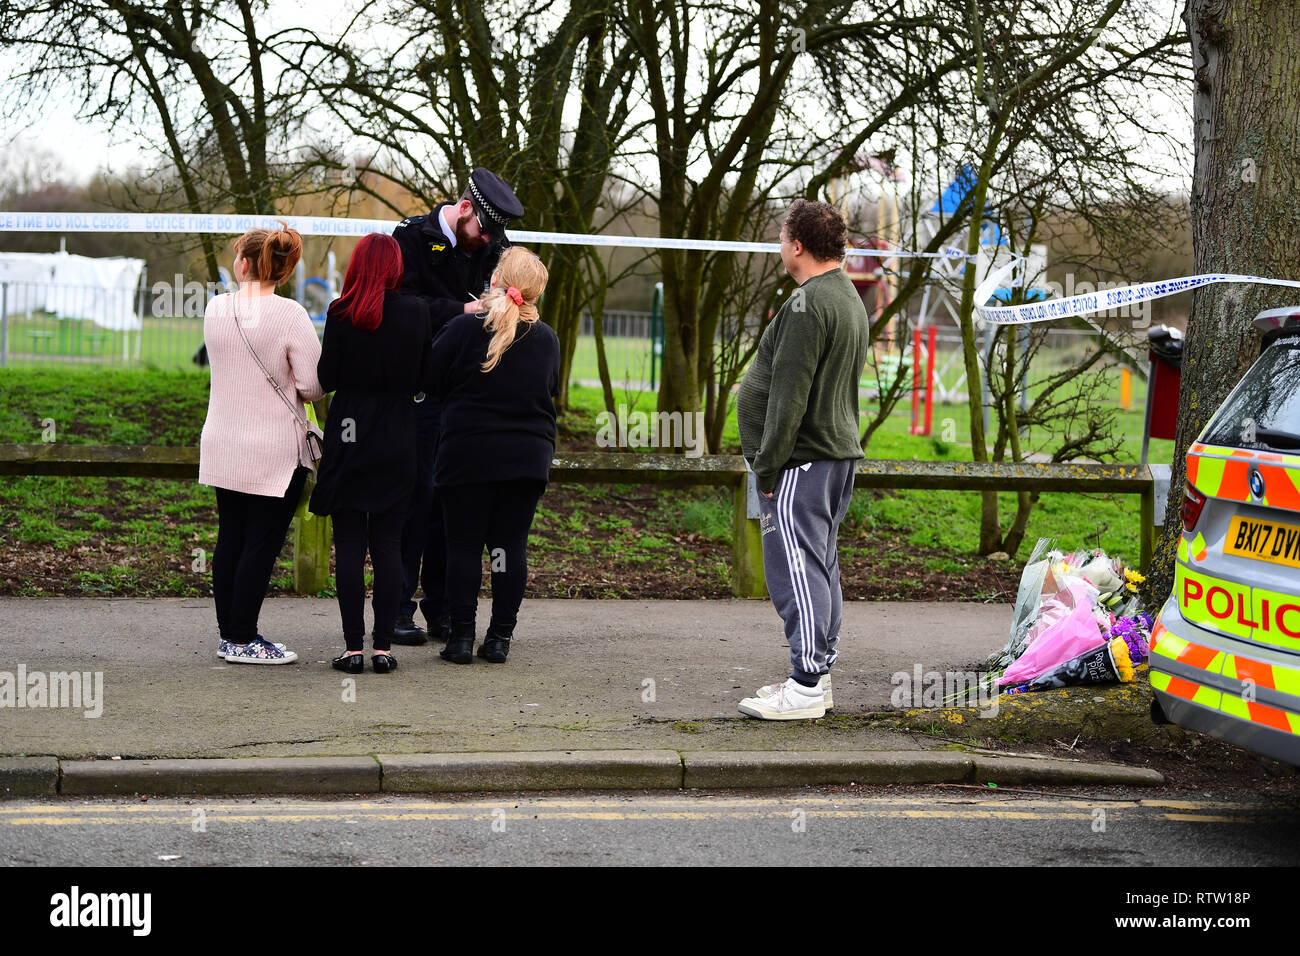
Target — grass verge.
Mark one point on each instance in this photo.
(153, 537)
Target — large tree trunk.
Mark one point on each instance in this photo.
(1244, 213)
(679, 389)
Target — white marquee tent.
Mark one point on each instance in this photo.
(103, 291)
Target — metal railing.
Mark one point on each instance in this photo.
(45, 323)
(41, 327)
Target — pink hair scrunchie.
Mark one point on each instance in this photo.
(515, 295)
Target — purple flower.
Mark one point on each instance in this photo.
(1136, 632)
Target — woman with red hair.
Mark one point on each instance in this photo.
(375, 358)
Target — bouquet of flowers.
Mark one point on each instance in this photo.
(1071, 630)
(1026, 612)
(1077, 620)
(1106, 664)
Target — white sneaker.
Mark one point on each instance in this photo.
(790, 701)
(823, 683)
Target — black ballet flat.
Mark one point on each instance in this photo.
(383, 663)
(350, 663)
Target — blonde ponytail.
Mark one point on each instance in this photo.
(518, 282)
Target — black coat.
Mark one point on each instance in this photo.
(368, 463)
(447, 279)
(497, 425)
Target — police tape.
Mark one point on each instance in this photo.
(1099, 301)
(325, 226)
(1086, 303)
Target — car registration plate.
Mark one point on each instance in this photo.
(1264, 540)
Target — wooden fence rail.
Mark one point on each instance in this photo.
(311, 535)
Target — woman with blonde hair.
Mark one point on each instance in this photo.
(497, 375)
(255, 448)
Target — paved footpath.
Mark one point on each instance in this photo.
(583, 675)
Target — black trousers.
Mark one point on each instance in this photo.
(250, 535)
(353, 530)
(497, 515)
(424, 543)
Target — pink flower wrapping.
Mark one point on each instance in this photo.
(1072, 631)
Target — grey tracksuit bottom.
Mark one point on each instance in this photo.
(800, 523)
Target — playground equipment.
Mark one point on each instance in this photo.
(882, 274)
(917, 427)
(315, 294)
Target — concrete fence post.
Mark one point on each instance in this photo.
(312, 536)
(747, 579)
(1147, 525)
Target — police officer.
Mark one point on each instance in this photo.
(448, 258)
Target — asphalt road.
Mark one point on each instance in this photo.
(934, 826)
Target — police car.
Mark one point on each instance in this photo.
(1225, 649)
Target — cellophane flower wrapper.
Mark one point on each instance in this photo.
(1071, 591)
(1107, 664)
(1071, 633)
(1027, 607)
(1102, 572)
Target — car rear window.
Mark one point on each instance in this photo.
(1264, 412)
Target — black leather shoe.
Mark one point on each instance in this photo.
(383, 663)
(496, 644)
(443, 631)
(460, 644)
(350, 663)
(407, 632)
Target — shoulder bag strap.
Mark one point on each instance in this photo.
(298, 417)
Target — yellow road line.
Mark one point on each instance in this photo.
(168, 805)
(104, 817)
(174, 811)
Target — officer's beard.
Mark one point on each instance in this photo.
(466, 242)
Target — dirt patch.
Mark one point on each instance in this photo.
(607, 542)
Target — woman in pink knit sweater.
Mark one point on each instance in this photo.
(254, 448)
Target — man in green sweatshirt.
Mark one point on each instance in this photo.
(798, 415)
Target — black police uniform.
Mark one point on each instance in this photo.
(437, 272)
(447, 279)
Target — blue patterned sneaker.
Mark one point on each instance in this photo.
(224, 646)
(259, 651)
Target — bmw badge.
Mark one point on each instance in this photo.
(1256, 483)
